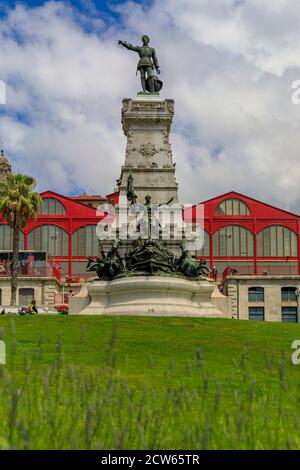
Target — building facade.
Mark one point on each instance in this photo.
(65, 230)
(250, 237)
(264, 298)
(258, 243)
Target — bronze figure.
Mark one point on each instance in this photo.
(107, 266)
(131, 196)
(148, 61)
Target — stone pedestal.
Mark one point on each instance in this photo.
(146, 123)
(150, 296)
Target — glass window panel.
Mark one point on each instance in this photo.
(236, 207)
(222, 242)
(52, 206)
(280, 250)
(229, 240)
(243, 250)
(250, 241)
(37, 239)
(289, 314)
(75, 243)
(266, 235)
(256, 294)
(277, 241)
(216, 244)
(82, 241)
(59, 208)
(232, 207)
(221, 208)
(59, 242)
(243, 209)
(45, 207)
(288, 294)
(259, 241)
(273, 241)
(206, 244)
(287, 242)
(234, 241)
(256, 313)
(65, 247)
(89, 240)
(49, 239)
(294, 248)
(96, 242)
(85, 242)
(228, 207)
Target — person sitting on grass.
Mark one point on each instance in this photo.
(32, 308)
(23, 311)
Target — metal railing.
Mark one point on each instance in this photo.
(33, 269)
(262, 270)
(41, 271)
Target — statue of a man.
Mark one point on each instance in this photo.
(131, 196)
(147, 62)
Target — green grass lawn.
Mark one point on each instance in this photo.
(136, 382)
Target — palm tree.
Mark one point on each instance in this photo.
(18, 203)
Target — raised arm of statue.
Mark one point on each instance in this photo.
(129, 46)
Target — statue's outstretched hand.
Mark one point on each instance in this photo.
(120, 42)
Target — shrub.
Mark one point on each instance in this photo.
(62, 310)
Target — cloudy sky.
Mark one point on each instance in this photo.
(229, 65)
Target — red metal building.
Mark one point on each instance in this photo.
(241, 232)
(251, 236)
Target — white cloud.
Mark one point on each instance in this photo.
(228, 64)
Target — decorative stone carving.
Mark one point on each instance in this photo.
(148, 150)
(146, 123)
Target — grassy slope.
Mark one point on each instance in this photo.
(212, 383)
(142, 345)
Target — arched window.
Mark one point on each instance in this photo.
(232, 207)
(288, 294)
(85, 241)
(6, 238)
(277, 241)
(52, 206)
(205, 249)
(233, 240)
(49, 238)
(256, 294)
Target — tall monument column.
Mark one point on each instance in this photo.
(155, 273)
(146, 122)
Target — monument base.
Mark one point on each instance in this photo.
(147, 296)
